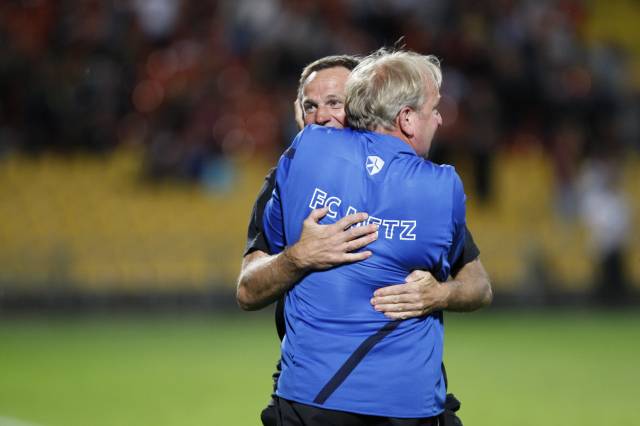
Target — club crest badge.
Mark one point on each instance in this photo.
(374, 164)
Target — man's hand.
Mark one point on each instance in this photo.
(299, 116)
(324, 246)
(264, 278)
(421, 294)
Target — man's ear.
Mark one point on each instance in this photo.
(406, 121)
(297, 108)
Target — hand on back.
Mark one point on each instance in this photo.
(324, 246)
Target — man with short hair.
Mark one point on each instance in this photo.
(344, 362)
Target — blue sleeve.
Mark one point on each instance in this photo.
(458, 220)
(273, 219)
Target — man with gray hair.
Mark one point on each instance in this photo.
(344, 362)
(395, 93)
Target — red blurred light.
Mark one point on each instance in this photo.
(147, 96)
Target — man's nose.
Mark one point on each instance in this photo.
(322, 115)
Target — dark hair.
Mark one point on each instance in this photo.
(345, 61)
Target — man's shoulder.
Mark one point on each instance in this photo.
(270, 178)
(318, 142)
(433, 170)
(425, 177)
(314, 132)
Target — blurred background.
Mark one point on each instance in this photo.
(135, 135)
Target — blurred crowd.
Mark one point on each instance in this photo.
(196, 82)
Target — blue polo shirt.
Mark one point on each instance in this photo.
(339, 353)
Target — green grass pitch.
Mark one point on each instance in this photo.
(507, 368)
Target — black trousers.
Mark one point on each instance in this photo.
(270, 415)
(290, 413)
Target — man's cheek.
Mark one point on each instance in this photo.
(309, 119)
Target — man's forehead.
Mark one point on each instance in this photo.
(310, 78)
(338, 73)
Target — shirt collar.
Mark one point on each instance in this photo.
(389, 143)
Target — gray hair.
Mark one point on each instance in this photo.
(345, 61)
(384, 83)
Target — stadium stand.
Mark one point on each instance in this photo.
(91, 224)
(131, 147)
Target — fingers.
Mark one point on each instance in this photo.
(350, 220)
(317, 214)
(343, 230)
(393, 290)
(394, 299)
(358, 243)
(416, 275)
(356, 257)
(358, 231)
(397, 307)
(404, 315)
(345, 222)
(401, 310)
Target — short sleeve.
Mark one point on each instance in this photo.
(470, 252)
(458, 220)
(255, 230)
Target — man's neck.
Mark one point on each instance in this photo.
(396, 133)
